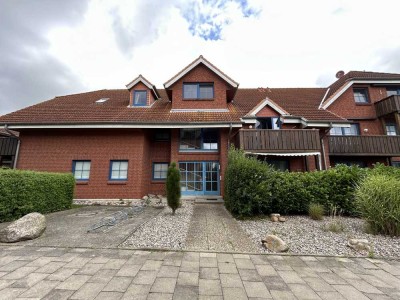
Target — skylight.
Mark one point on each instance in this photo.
(102, 100)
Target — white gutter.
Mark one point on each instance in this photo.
(121, 126)
(323, 99)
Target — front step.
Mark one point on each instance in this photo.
(204, 199)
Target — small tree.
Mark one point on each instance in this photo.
(173, 187)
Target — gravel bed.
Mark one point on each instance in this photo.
(306, 236)
(163, 231)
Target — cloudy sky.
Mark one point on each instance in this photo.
(58, 47)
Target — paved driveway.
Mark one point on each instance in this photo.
(60, 273)
(69, 228)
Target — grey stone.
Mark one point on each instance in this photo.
(210, 287)
(186, 293)
(231, 280)
(282, 295)
(209, 273)
(359, 244)
(88, 291)
(256, 290)
(274, 243)
(164, 285)
(234, 293)
(29, 227)
(186, 278)
(118, 284)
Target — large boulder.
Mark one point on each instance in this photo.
(359, 244)
(274, 243)
(28, 227)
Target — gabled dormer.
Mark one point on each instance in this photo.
(200, 85)
(142, 93)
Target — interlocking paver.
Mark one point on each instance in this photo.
(350, 292)
(234, 293)
(40, 289)
(209, 273)
(163, 285)
(256, 290)
(249, 275)
(145, 277)
(210, 287)
(303, 291)
(118, 284)
(231, 280)
(186, 293)
(129, 274)
(74, 282)
(282, 295)
(89, 290)
(188, 278)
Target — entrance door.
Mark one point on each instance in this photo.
(199, 178)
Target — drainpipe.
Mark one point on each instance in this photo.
(229, 135)
(16, 155)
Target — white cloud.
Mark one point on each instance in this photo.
(289, 43)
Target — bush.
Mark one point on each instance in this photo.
(23, 192)
(252, 187)
(316, 211)
(378, 200)
(173, 187)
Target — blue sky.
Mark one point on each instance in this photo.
(52, 47)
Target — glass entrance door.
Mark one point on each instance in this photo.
(199, 178)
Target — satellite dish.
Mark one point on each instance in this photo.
(339, 74)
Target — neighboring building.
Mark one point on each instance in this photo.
(118, 143)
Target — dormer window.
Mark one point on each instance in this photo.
(198, 91)
(139, 98)
(361, 95)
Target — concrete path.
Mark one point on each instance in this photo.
(213, 228)
(69, 228)
(82, 273)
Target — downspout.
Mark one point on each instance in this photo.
(229, 135)
(16, 155)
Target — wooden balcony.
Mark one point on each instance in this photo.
(377, 145)
(387, 106)
(284, 140)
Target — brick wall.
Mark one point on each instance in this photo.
(200, 74)
(141, 87)
(54, 151)
(267, 112)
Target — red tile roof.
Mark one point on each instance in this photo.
(358, 75)
(83, 109)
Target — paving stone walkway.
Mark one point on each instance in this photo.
(83, 273)
(213, 228)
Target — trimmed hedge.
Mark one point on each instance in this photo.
(253, 188)
(23, 192)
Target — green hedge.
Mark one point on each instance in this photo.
(23, 192)
(253, 187)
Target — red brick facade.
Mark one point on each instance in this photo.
(56, 149)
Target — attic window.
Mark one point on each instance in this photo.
(102, 100)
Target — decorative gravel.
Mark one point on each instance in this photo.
(163, 231)
(306, 236)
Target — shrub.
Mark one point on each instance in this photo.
(378, 200)
(23, 192)
(173, 187)
(316, 211)
(335, 226)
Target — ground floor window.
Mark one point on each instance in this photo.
(349, 162)
(199, 178)
(160, 171)
(81, 169)
(119, 170)
(396, 164)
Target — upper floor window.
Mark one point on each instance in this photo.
(162, 135)
(268, 123)
(139, 98)
(198, 91)
(81, 169)
(199, 139)
(354, 129)
(361, 95)
(118, 170)
(392, 91)
(391, 129)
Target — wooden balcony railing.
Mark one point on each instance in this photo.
(387, 106)
(265, 140)
(378, 145)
